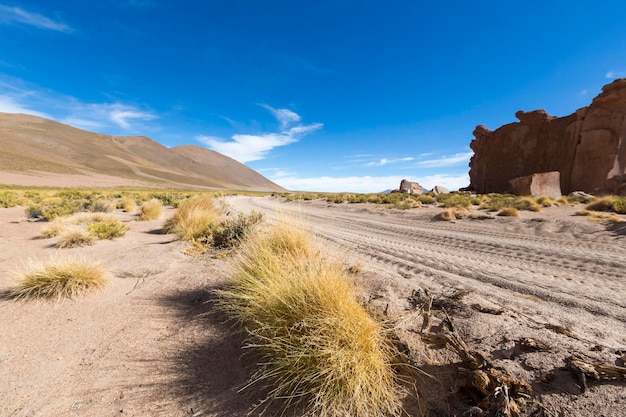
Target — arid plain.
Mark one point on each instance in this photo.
(530, 294)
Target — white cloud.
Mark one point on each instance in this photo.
(368, 184)
(447, 161)
(610, 74)
(11, 15)
(16, 96)
(245, 148)
(284, 116)
(386, 161)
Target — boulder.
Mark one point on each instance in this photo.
(438, 189)
(587, 148)
(409, 187)
(541, 184)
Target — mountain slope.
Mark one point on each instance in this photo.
(34, 145)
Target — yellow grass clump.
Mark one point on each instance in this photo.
(453, 213)
(602, 204)
(320, 348)
(127, 204)
(509, 212)
(74, 238)
(194, 217)
(60, 277)
(151, 210)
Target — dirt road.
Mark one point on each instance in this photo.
(551, 280)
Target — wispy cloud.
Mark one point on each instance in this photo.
(284, 116)
(246, 147)
(615, 74)
(15, 15)
(386, 161)
(16, 96)
(367, 184)
(446, 161)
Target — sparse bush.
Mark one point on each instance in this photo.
(8, 199)
(151, 210)
(454, 200)
(596, 216)
(426, 199)
(495, 202)
(108, 229)
(509, 212)
(74, 238)
(34, 211)
(231, 233)
(60, 277)
(127, 204)
(319, 346)
(194, 218)
(63, 208)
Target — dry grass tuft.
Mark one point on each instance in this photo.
(60, 277)
(602, 204)
(320, 347)
(151, 210)
(194, 218)
(127, 204)
(545, 201)
(527, 203)
(596, 216)
(54, 227)
(453, 213)
(509, 212)
(74, 238)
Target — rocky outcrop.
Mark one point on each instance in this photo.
(409, 187)
(543, 184)
(587, 148)
(439, 189)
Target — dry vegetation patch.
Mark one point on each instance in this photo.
(320, 347)
(151, 210)
(60, 277)
(74, 238)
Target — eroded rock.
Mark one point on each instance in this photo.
(587, 148)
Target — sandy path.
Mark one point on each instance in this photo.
(550, 273)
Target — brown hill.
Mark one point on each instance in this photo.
(34, 148)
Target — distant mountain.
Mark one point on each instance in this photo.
(30, 144)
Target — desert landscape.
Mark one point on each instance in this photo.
(538, 298)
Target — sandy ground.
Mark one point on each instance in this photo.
(145, 345)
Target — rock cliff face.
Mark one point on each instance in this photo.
(587, 148)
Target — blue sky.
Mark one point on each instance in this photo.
(319, 95)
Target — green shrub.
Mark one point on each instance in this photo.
(34, 211)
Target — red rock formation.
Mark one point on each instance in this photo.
(587, 148)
